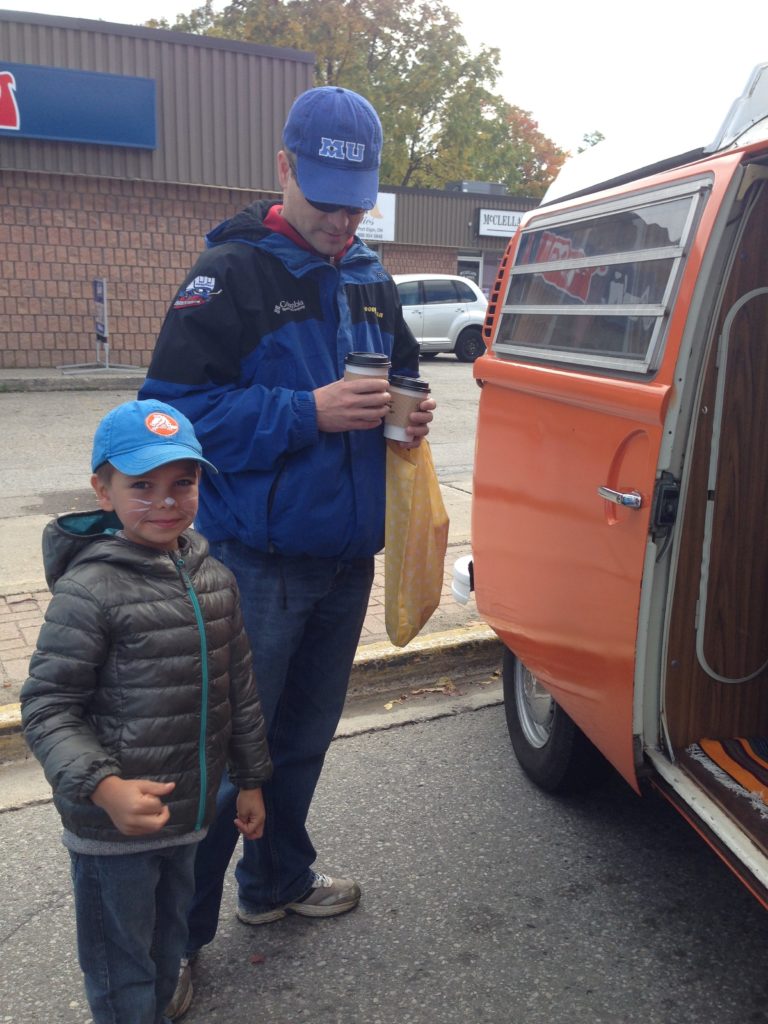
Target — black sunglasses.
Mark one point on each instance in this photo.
(351, 211)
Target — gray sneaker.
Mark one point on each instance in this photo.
(327, 897)
(181, 1000)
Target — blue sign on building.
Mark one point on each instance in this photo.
(77, 106)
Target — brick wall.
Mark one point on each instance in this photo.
(59, 232)
(418, 259)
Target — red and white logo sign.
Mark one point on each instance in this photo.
(161, 423)
(575, 282)
(9, 108)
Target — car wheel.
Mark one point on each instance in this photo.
(428, 355)
(552, 751)
(469, 345)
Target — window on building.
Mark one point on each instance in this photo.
(470, 265)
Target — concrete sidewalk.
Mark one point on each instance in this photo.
(454, 646)
(21, 615)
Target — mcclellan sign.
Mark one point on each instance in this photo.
(502, 223)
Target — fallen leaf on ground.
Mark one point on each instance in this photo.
(391, 703)
(444, 685)
(257, 958)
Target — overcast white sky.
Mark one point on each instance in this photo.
(665, 68)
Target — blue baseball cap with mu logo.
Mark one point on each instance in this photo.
(336, 138)
(139, 436)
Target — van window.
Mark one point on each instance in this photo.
(595, 288)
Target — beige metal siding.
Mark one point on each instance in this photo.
(426, 217)
(221, 104)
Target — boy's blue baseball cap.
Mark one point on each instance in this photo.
(136, 437)
(336, 137)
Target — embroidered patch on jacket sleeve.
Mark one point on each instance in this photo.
(197, 293)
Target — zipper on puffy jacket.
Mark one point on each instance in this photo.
(179, 563)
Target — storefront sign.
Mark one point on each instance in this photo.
(378, 225)
(77, 106)
(500, 223)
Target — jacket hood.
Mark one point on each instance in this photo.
(246, 226)
(79, 537)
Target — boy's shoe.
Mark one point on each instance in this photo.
(326, 897)
(181, 1000)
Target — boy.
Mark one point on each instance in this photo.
(140, 690)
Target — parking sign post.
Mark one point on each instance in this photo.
(101, 324)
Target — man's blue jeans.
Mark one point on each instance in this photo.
(303, 617)
(131, 912)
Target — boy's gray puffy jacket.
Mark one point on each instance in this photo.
(124, 682)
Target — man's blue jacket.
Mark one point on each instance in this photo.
(258, 324)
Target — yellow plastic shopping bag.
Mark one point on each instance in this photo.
(415, 539)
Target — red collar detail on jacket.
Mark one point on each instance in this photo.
(275, 221)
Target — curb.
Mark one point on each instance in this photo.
(111, 379)
(23, 587)
(12, 745)
(462, 655)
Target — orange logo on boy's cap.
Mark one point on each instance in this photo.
(161, 423)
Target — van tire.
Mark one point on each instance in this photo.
(469, 345)
(552, 751)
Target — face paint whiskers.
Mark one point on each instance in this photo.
(137, 507)
(187, 504)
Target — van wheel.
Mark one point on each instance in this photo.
(552, 751)
(469, 345)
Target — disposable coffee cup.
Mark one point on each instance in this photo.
(366, 364)
(407, 395)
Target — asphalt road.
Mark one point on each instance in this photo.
(485, 902)
(44, 458)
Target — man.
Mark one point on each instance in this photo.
(252, 351)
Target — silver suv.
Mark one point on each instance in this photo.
(445, 312)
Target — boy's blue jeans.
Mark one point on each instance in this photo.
(303, 617)
(131, 912)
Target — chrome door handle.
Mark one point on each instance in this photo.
(630, 499)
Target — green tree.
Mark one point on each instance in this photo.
(507, 147)
(435, 97)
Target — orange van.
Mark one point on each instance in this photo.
(620, 501)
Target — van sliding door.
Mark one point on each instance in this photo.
(568, 442)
